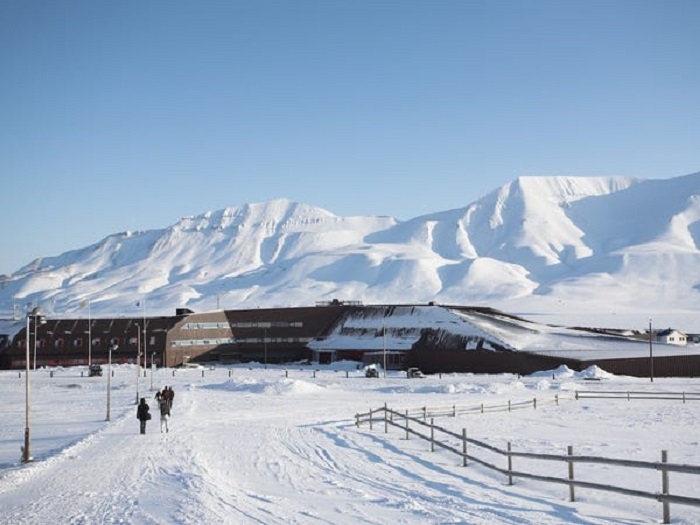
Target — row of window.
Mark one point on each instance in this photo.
(79, 342)
(243, 324)
(203, 342)
(244, 340)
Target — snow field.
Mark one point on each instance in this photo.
(269, 446)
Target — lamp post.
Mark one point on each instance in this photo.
(145, 345)
(37, 317)
(651, 355)
(38, 320)
(109, 376)
(152, 359)
(89, 335)
(384, 346)
(138, 361)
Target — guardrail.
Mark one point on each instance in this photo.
(460, 447)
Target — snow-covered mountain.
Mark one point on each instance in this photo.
(561, 248)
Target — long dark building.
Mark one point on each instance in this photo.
(436, 338)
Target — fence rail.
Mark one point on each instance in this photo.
(404, 420)
(629, 395)
(453, 410)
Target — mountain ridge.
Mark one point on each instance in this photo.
(531, 245)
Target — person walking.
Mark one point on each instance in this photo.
(164, 414)
(143, 414)
(169, 396)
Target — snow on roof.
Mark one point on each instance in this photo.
(405, 324)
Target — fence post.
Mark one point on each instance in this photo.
(576, 396)
(432, 435)
(386, 424)
(534, 403)
(425, 413)
(482, 408)
(570, 452)
(509, 405)
(664, 487)
(370, 418)
(556, 399)
(464, 447)
(454, 410)
(357, 420)
(406, 423)
(510, 466)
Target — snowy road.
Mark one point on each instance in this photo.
(270, 450)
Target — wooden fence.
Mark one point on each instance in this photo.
(457, 443)
(610, 394)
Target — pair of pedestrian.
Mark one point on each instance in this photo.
(165, 403)
(164, 398)
(168, 395)
(143, 413)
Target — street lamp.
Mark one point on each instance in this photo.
(37, 317)
(37, 321)
(651, 355)
(138, 360)
(384, 346)
(152, 358)
(112, 347)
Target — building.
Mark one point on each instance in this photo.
(435, 338)
(671, 336)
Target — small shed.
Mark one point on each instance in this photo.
(671, 336)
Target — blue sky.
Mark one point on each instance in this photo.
(129, 115)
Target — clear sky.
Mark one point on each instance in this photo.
(129, 115)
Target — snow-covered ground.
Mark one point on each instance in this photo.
(280, 446)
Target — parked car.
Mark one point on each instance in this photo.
(95, 370)
(414, 372)
(371, 372)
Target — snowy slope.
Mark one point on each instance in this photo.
(565, 249)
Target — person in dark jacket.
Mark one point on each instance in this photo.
(169, 395)
(143, 414)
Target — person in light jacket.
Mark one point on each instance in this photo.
(164, 414)
(143, 414)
